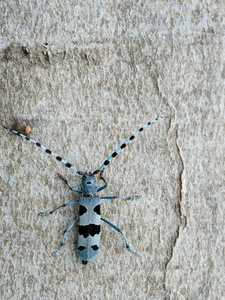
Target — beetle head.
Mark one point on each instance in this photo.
(88, 184)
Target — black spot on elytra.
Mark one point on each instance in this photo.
(83, 210)
(81, 248)
(94, 229)
(90, 229)
(95, 247)
(97, 209)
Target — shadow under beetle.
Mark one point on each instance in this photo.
(89, 212)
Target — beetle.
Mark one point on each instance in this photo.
(89, 202)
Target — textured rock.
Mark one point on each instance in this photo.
(85, 76)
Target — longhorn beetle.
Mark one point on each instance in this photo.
(89, 212)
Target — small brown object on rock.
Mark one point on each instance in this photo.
(27, 129)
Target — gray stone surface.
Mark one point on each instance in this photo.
(85, 76)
